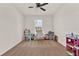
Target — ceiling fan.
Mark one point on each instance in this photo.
(39, 5)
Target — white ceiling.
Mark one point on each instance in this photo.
(51, 8)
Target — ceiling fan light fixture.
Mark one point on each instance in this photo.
(39, 5)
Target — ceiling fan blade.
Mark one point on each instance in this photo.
(43, 9)
(31, 7)
(43, 4)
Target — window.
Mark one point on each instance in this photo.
(39, 27)
(38, 23)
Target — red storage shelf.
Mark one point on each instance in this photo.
(72, 46)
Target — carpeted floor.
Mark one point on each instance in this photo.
(37, 48)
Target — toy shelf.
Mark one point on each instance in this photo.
(72, 46)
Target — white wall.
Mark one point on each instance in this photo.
(11, 27)
(66, 21)
(47, 23)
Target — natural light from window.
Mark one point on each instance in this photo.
(38, 23)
